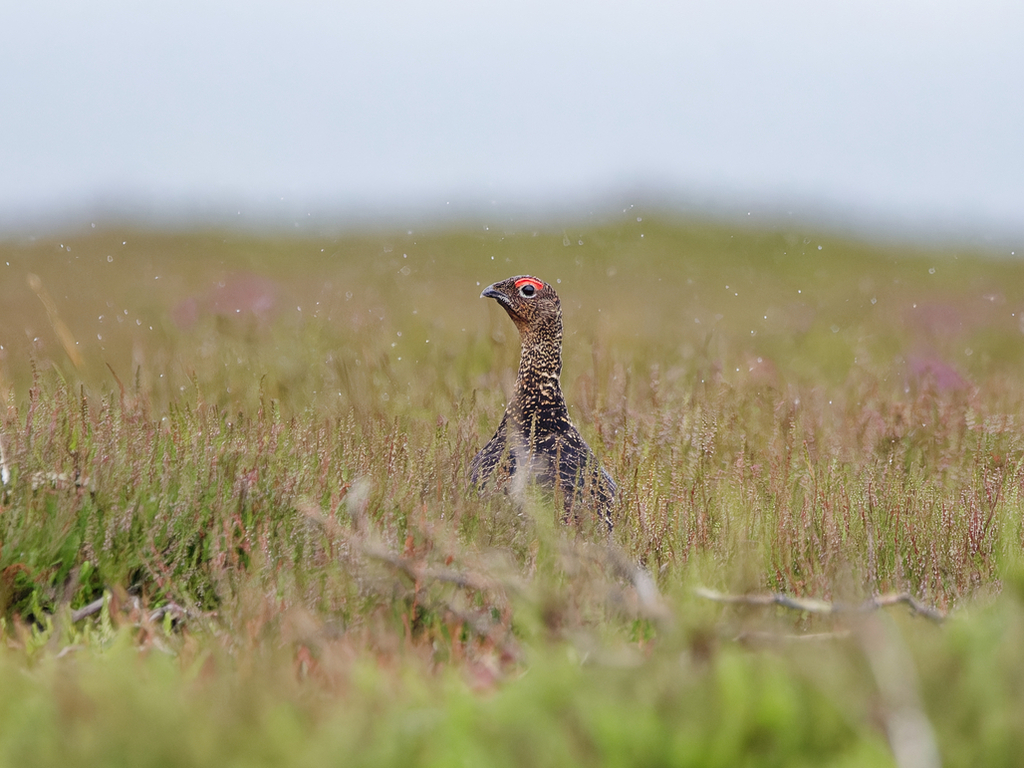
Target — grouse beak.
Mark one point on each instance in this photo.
(490, 292)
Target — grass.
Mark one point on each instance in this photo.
(253, 452)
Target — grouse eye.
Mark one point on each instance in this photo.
(528, 286)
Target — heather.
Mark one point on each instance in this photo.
(235, 526)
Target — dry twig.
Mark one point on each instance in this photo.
(821, 607)
(176, 611)
(774, 637)
(87, 610)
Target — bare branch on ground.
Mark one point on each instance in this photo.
(822, 607)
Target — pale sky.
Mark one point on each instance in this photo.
(875, 113)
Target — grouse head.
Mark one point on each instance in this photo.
(532, 304)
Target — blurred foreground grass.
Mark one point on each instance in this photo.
(252, 453)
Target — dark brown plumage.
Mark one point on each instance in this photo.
(536, 433)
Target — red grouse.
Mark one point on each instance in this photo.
(536, 439)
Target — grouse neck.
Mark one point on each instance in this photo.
(540, 368)
(540, 358)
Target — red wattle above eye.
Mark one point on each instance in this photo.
(529, 281)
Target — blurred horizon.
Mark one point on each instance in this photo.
(892, 121)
